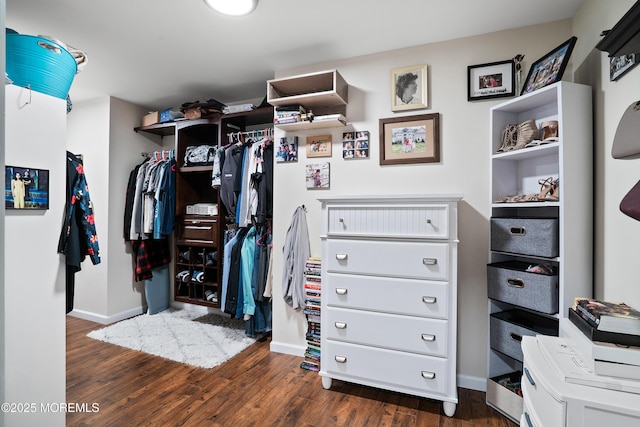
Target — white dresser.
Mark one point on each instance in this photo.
(389, 273)
(561, 390)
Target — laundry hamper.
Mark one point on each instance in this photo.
(40, 64)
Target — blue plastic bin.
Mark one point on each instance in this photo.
(41, 64)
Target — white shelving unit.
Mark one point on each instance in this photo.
(518, 172)
(323, 92)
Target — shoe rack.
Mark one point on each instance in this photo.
(542, 183)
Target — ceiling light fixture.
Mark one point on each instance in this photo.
(232, 7)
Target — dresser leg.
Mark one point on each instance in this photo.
(326, 383)
(449, 408)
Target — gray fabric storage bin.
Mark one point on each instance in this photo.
(507, 328)
(527, 236)
(510, 282)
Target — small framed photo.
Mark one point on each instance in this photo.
(355, 145)
(619, 65)
(317, 176)
(319, 146)
(491, 80)
(410, 139)
(287, 150)
(26, 188)
(409, 88)
(549, 69)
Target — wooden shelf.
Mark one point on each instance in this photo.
(316, 124)
(313, 90)
(624, 37)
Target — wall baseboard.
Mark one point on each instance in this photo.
(107, 320)
(293, 350)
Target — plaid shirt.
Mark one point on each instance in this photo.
(150, 254)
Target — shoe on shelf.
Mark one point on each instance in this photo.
(554, 195)
(527, 132)
(550, 131)
(509, 138)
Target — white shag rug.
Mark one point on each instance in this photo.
(185, 336)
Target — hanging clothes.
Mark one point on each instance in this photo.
(78, 237)
(296, 251)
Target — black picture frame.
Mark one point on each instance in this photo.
(491, 80)
(33, 189)
(550, 68)
(621, 65)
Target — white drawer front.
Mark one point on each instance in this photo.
(410, 371)
(540, 404)
(403, 333)
(392, 259)
(397, 221)
(392, 295)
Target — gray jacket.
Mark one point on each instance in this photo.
(296, 252)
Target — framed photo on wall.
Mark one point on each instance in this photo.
(549, 69)
(317, 176)
(26, 188)
(410, 139)
(619, 65)
(491, 80)
(409, 88)
(319, 146)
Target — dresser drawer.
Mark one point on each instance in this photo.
(540, 405)
(385, 221)
(362, 364)
(403, 333)
(198, 229)
(388, 258)
(392, 295)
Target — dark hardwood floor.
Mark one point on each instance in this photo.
(255, 388)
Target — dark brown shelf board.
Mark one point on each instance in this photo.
(196, 301)
(624, 37)
(191, 242)
(169, 128)
(258, 116)
(188, 169)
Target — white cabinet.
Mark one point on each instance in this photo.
(389, 274)
(552, 399)
(568, 160)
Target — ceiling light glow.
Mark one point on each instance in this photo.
(232, 7)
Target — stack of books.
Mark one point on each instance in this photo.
(313, 292)
(289, 114)
(610, 326)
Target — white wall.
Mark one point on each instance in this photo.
(34, 277)
(2, 145)
(102, 130)
(616, 236)
(464, 167)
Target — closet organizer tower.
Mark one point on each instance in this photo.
(199, 233)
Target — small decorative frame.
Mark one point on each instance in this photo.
(620, 65)
(26, 188)
(287, 150)
(317, 176)
(491, 80)
(410, 139)
(319, 146)
(549, 69)
(409, 88)
(355, 145)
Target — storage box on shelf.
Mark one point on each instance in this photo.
(324, 93)
(535, 267)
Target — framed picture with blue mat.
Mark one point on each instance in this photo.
(26, 188)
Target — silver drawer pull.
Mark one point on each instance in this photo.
(429, 300)
(529, 377)
(341, 359)
(528, 418)
(428, 337)
(340, 325)
(195, 222)
(429, 261)
(428, 375)
(202, 227)
(518, 231)
(341, 220)
(341, 291)
(341, 257)
(515, 337)
(515, 283)
(428, 221)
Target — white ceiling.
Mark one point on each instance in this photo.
(159, 53)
